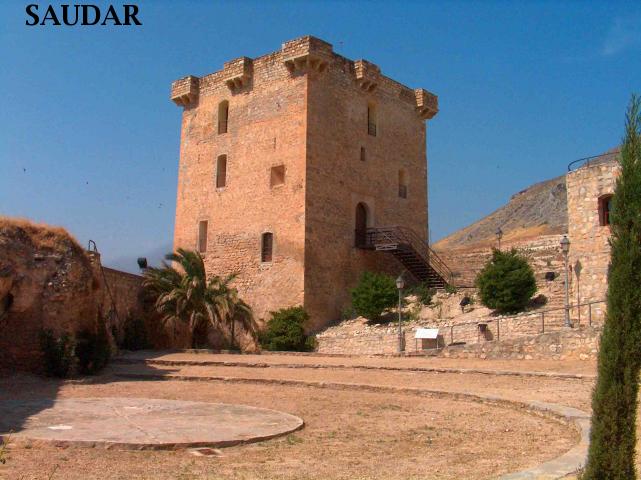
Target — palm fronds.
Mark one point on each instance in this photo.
(183, 293)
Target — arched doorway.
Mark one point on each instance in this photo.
(360, 225)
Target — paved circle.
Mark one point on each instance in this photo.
(141, 423)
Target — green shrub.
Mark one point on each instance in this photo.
(423, 292)
(285, 331)
(93, 350)
(374, 293)
(507, 282)
(347, 313)
(57, 353)
(311, 343)
(450, 288)
(135, 335)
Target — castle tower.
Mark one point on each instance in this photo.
(288, 162)
(590, 189)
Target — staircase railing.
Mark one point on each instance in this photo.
(396, 235)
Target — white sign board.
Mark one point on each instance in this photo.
(426, 333)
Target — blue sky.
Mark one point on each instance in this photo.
(89, 139)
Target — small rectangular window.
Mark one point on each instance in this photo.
(221, 171)
(363, 154)
(277, 176)
(223, 116)
(402, 183)
(202, 236)
(371, 120)
(267, 245)
(605, 205)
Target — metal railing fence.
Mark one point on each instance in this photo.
(539, 322)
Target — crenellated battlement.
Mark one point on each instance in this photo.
(286, 159)
(301, 56)
(307, 53)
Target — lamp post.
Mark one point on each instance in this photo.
(499, 236)
(565, 247)
(400, 283)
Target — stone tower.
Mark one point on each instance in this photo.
(287, 163)
(590, 189)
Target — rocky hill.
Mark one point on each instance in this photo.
(540, 209)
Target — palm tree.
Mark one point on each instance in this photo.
(182, 293)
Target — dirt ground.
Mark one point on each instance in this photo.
(587, 367)
(349, 434)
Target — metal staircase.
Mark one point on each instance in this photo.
(410, 249)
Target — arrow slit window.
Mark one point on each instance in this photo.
(202, 236)
(267, 246)
(223, 115)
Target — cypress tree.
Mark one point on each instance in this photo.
(613, 436)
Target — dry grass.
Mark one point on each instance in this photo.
(41, 235)
(347, 434)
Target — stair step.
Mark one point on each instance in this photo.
(409, 249)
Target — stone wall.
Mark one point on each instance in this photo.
(543, 254)
(120, 299)
(266, 128)
(578, 344)
(476, 326)
(338, 180)
(589, 249)
(305, 109)
(512, 327)
(383, 343)
(48, 281)
(587, 275)
(119, 293)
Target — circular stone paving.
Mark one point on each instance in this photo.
(141, 423)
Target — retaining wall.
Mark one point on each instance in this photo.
(579, 343)
(522, 341)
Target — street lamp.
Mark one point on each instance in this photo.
(565, 247)
(400, 283)
(499, 236)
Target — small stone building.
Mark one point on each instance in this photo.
(290, 162)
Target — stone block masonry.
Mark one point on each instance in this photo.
(544, 255)
(579, 344)
(588, 189)
(339, 135)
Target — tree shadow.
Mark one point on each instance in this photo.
(24, 395)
